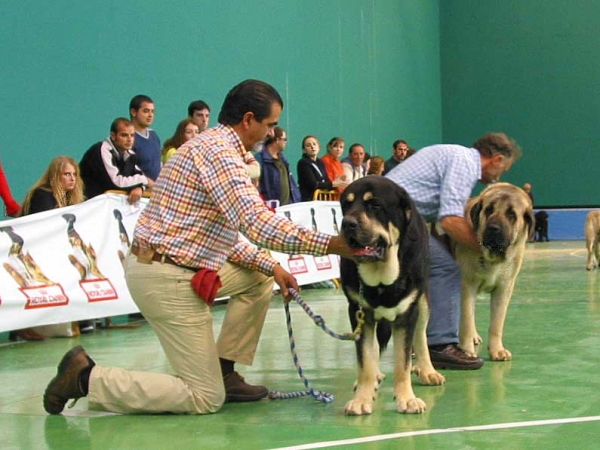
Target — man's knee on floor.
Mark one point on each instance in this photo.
(208, 402)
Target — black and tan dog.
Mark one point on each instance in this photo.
(387, 280)
(502, 218)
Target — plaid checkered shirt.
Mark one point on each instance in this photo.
(203, 197)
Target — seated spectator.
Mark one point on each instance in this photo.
(10, 205)
(400, 153)
(311, 171)
(112, 164)
(376, 166)
(59, 186)
(199, 112)
(186, 130)
(354, 167)
(276, 180)
(333, 164)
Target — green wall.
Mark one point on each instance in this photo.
(530, 68)
(366, 70)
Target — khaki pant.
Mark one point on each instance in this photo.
(184, 326)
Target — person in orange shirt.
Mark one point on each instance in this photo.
(333, 165)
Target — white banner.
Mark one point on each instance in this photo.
(322, 216)
(66, 264)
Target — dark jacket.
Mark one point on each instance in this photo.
(312, 176)
(104, 168)
(270, 184)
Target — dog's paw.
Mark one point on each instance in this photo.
(376, 384)
(411, 406)
(500, 355)
(468, 346)
(430, 378)
(590, 267)
(358, 407)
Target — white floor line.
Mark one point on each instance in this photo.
(385, 437)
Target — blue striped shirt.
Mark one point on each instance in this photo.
(440, 179)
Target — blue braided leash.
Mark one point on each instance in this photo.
(322, 396)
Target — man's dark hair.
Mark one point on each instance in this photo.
(114, 126)
(252, 96)
(277, 133)
(353, 146)
(398, 142)
(494, 143)
(197, 105)
(136, 102)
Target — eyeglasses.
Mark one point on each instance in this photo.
(283, 138)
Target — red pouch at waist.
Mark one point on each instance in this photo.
(206, 283)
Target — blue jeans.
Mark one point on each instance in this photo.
(444, 296)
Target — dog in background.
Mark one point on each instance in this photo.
(502, 218)
(541, 226)
(387, 279)
(592, 234)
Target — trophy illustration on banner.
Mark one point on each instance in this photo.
(41, 292)
(336, 228)
(322, 262)
(123, 237)
(296, 263)
(95, 285)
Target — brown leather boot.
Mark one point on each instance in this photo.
(67, 383)
(237, 390)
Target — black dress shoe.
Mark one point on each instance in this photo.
(450, 356)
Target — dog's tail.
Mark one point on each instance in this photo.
(384, 333)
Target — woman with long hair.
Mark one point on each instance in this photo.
(59, 186)
(311, 171)
(186, 130)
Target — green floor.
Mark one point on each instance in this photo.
(546, 398)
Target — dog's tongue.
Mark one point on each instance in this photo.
(366, 251)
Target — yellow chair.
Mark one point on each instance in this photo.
(326, 194)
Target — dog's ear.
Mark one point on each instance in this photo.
(413, 220)
(473, 216)
(530, 222)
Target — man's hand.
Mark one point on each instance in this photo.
(285, 280)
(459, 229)
(134, 195)
(337, 246)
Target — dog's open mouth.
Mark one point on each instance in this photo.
(368, 253)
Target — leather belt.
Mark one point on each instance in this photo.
(157, 257)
